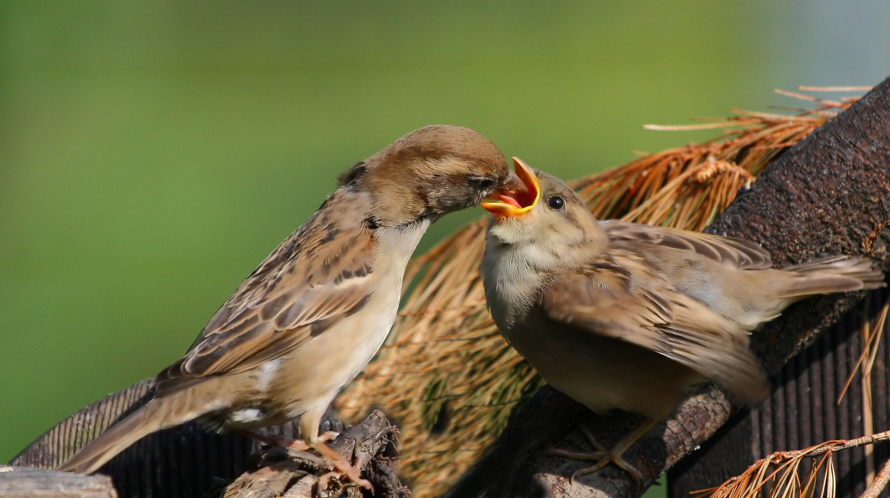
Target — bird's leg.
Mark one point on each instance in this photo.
(291, 444)
(300, 445)
(603, 456)
(309, 422)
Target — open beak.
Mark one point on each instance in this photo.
(519, 196)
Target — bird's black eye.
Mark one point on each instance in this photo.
(556, 202)
(482, 183)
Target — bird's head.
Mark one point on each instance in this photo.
(430, 172)
(547, 217)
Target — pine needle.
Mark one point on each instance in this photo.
(781, 475)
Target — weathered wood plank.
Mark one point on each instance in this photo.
(24, 482)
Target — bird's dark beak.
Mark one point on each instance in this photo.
(518, 196)
(514, 185)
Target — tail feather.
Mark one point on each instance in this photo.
(116, 439)
(833, 274)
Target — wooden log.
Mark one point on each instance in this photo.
(24, 482)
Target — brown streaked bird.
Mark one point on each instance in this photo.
(311, 316)
(629, 316)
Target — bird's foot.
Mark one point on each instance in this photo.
(600, 455)
(287, 443)
(342, 466)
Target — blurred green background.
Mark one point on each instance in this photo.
(152, 153)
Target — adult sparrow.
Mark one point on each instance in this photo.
(624, 315)
(314, 312)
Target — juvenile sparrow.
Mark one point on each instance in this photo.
(311, 316)
(624, 315)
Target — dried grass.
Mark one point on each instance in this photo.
(448, 378)
(797, 474)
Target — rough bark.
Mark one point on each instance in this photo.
(829, 194)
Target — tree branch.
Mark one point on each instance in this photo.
(370, 444)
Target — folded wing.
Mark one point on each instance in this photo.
(612, 301)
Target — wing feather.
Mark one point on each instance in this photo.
(739, 253)
(653, 315)
(309, 283)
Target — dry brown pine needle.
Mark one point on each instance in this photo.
(779, 474)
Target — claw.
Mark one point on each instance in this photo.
(340, 464)
(601, 456)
